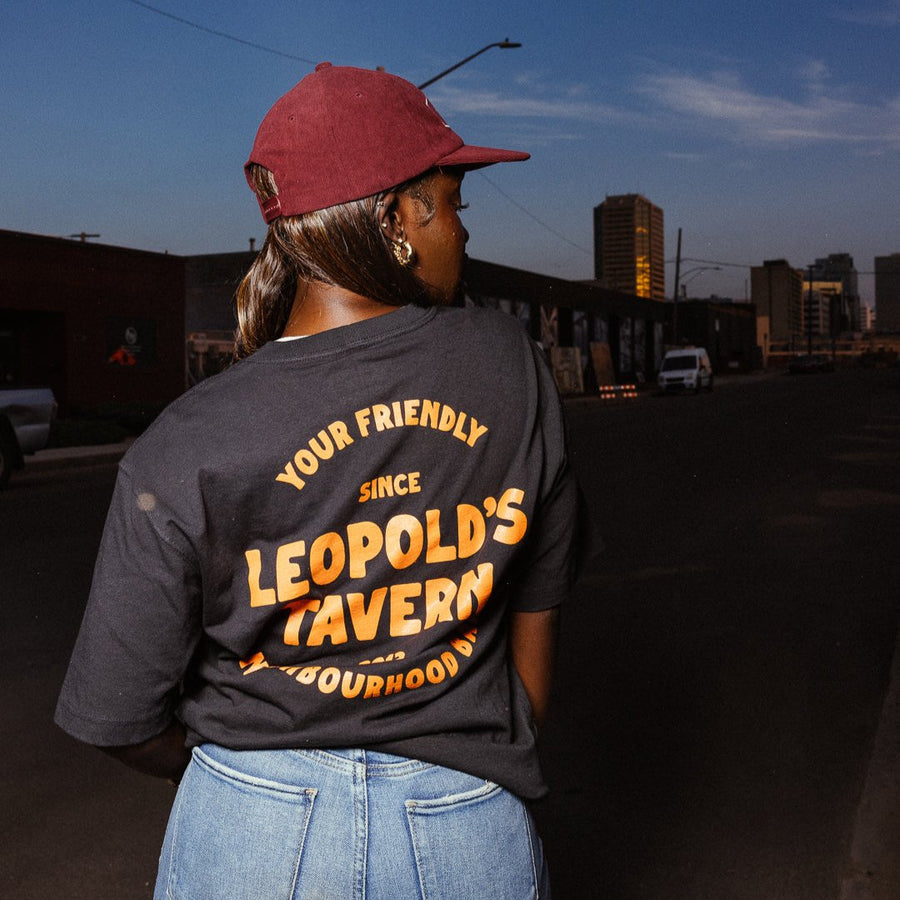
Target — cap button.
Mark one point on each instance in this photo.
(323, 65)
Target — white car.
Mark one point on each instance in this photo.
(25, 418)
(687, 369)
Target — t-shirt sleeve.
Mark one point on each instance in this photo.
(546, 573)
(140, 626)
(546, 569)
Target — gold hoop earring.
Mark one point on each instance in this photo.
(403, 252)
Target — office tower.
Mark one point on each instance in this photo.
(823, 310)
(629, 246)
(838, 269)
(887, 293)
(776, 288)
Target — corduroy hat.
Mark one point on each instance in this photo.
(344, 133)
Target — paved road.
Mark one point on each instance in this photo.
(723, 670)
(722, 722)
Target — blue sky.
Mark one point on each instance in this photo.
(764, 130)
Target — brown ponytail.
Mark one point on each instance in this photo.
(341, 245)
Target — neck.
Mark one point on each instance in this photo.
(319, 307)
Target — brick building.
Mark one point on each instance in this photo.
(98, 324)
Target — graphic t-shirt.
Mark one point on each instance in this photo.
(321, 547)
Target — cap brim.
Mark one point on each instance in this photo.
(475, 157)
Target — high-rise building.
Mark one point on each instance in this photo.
(776, 288)
(629, 246)
(887, 292)
(838, 267)
(822, 308)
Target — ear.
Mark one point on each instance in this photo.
(387, 215)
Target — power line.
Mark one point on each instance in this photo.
(716, 262)
(222, 34)
(531, 215)
(265, 49)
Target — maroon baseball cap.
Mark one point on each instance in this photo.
(344, 133)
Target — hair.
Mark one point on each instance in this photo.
(341, 245)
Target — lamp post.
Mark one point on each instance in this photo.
(504, 45)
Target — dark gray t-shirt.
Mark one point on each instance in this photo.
(321, 546)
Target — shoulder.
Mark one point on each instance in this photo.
(486, 326)
(203, 411)
(496, 345)
(481, 316)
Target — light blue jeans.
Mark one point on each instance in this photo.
(344, 825)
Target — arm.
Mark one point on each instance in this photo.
(533, 648)
(165, 755)
(145, 603)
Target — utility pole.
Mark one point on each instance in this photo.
(675, 293)
(83, 235)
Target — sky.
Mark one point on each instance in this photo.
(764, 131)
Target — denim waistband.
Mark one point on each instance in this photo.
(287, 764)
(375, 764)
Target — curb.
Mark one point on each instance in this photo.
(73, 457)
(97, 454)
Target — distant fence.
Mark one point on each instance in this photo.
(886, 346)
(208, 352)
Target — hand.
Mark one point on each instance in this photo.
(164, 756)
(532, 642)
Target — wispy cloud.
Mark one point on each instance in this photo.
(742, 114)
(719, 105)
(815, 73)
(563, 106)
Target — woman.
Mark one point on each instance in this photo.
(327, 592)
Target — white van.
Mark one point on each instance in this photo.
(687, 369)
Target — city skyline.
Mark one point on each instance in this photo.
(762, 133)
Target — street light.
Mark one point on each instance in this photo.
(504, 45)
(696, 271)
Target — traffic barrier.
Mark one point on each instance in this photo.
(618, 391)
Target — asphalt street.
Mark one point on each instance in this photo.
(726, 665)
(725, 720)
